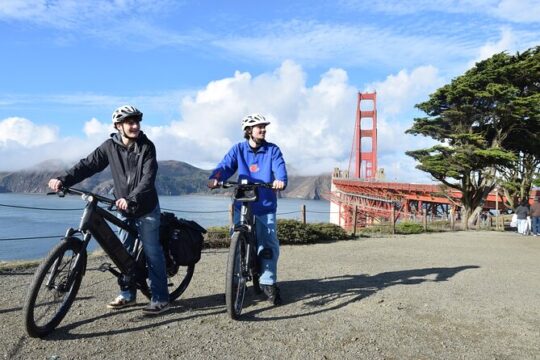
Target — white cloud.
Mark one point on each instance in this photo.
(22, 132)
(351, 45)
(313, 125)
(526, 11)
(126, 22)
(24, 144)
(402, 91)
(506, 42)
(77, 14)
(94, 128)
(396, 97)
(517, 11)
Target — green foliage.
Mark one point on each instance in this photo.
(409, 227)
(295, 232)
(289, 232)
(487, 121)
(536, 180)
(329, 232)
(217, 237)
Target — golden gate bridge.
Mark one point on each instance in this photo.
(359, 196)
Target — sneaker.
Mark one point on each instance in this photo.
(120, 302)
(273, 293)
(156, 307)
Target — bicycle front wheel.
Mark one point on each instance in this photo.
(54, 287)
(235, 285)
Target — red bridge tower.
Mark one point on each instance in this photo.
(364, 151)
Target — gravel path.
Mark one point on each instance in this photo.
(463, 295)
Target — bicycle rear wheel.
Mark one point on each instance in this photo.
(235, 283)
(177, 282)
(54, 287)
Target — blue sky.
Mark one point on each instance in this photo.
(195, 68)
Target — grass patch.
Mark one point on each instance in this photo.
(15, 265)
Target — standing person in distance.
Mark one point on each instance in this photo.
(257, 160)
(132, 159)
(535, 217)
(522, 212)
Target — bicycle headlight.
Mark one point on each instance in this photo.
(87, 197)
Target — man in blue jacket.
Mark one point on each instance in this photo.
(132, 159)
(257, 160)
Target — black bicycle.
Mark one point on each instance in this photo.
(58, 277)
(242, 262)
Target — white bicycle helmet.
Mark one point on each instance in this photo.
(126, 111)
(252, 120)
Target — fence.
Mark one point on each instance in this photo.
(392, 225)
(302, 212)
(397, 222)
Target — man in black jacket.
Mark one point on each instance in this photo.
(132, 159)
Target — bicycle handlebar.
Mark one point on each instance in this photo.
(111, 202)
(228, 184)
(67, 190)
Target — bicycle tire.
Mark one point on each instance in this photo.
(178, 282)
(257, 285)
(61, 264)
(235, 283)
(256, 273)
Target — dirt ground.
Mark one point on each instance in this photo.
(461, 295)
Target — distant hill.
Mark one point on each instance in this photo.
(174, 178)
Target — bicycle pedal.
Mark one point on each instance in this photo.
(105, 267)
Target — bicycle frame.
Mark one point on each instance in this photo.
(93, 224)
(57, 279)
(242, 263)
(247, 225)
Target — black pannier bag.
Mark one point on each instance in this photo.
(182, 240)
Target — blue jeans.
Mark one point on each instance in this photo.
(535, 225)
(148, 228)
(267, 246)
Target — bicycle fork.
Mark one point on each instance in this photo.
(72, 264)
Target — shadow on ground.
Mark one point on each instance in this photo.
(321, 295)
(313, 296)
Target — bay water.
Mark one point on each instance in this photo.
(22, 226)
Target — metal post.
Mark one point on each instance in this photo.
(355, 216)
(497, 208)
(303, 212)
(231, 214)
(393, 219)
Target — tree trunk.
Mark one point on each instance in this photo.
(473, 218)
(465, 214)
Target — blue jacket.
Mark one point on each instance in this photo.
(265, 165)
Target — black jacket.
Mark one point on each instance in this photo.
(133, 170)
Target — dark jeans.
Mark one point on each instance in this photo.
(535, 224)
